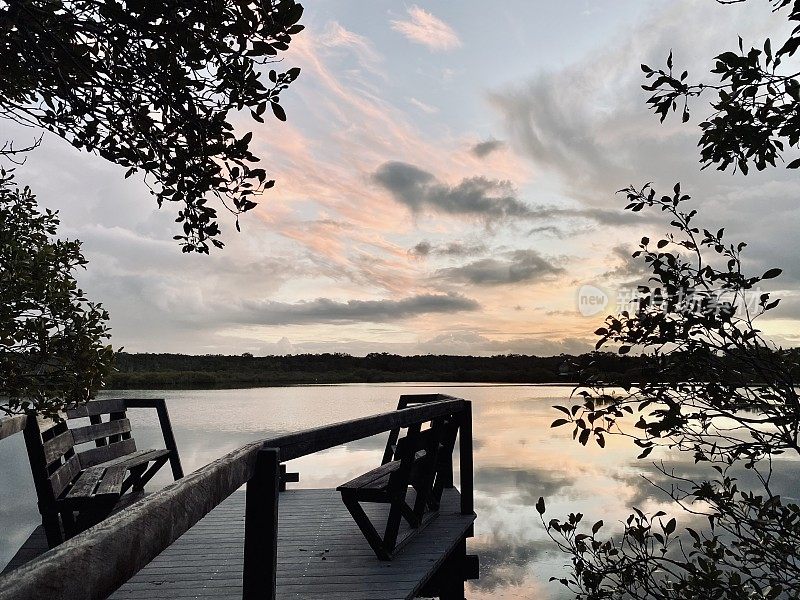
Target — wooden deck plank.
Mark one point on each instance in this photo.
(321, 553)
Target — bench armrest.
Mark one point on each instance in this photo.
(166, 429)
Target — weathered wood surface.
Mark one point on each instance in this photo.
(11, 425)
(89, 433)
(105, 555)
(321, 554)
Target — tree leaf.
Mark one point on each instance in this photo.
(277, 109)
(540, 506)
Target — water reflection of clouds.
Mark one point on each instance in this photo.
(18, 513)
(642, 477)
(504, 561)
(527, 485)
(518, 458)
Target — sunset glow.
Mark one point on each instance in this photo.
(445, 184)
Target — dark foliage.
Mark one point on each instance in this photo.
(711, 385)
(152, 86)
(182, 371)
(756, 112)
(696, 329)
(159, 371)
(52, 338)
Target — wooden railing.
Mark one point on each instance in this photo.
(93, 564)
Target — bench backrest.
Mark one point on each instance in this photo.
(59, 450)
(420, 451)
(407, 400)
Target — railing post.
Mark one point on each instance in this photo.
(169, 439)
(465, 459)
(261, 528)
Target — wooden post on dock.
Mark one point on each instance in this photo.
(465, 459)
(261, 528)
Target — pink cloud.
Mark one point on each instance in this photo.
(424, 28)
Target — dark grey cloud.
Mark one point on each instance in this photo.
(549, 230)
(325, 310)
(422, 249)
(425, 248)
(517, 266)
(628, 269)
(419, 190)
(490, 200)
(483, 149)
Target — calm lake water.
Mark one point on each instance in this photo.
(518, 458)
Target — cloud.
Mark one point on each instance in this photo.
(588, 122)
(424, 28)
(280, 348)
(426, 108)
(425, 248)
(490, 200)
(336, 36)
(475, 196)
(631, 270)
(470, 342)
(483, 149)
(455, 342)
(325, 310)
(519, 266)
(422, 249)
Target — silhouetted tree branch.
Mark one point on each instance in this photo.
(756, 112)
(711, 384)
(152, 86)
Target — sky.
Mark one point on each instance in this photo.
(445, 184)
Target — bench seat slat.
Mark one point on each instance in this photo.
(135, 458)
(112, 481)
(89, 433)
(367, 479)
(86, 483)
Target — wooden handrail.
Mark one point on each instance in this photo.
(93, 564)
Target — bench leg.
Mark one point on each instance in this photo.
(138, 486)
(133, 479)
(366, 527)
(89, 517)
(393, 523)
(424, 492)
(410, 515)
(68, 520)
(52, 528)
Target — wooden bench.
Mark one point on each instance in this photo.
(416, 467)
(82, 472)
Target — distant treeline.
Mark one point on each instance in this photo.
(141, 371)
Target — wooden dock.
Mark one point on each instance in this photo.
(202, 537)
(321, 554)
